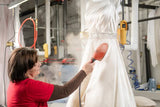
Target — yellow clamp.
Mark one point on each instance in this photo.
(55, 50)
(9, 44)
(123, 31)
(45, 48)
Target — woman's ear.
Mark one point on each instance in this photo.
(29, 74)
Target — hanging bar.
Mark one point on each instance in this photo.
(147, 19)
(123, 4)
(143, 6)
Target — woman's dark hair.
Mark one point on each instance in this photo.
(21, 60)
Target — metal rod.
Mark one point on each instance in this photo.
(65, 25)
(36, 9)
(36, 17)
(148, 68)
(123, 2)
(142, 6)
(147, 19)
(48, 34)
(58, 36)
(52, 28)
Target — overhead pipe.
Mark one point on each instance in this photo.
(146, 19)
(143, 6)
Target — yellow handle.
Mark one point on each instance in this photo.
(55, 50)
(123, 31)
(9, 44)
(45, 47)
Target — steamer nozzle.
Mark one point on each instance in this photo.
(100, 52)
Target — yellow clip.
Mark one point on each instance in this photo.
(45, 47)
(123, 31)
(55, 50)
(9, 44)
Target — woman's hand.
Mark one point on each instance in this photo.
(88, 67)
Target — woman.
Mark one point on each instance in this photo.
(23, 66)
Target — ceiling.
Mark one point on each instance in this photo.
(28, 7)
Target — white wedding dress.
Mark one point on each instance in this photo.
(108, 85)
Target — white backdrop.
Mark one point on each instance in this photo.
(6, 32)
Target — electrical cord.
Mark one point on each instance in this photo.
(134, 76)
(4, 75)
(80, 95)
(130, 59)
(129, 55)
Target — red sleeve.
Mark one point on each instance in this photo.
(39, 91)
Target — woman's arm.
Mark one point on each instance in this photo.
(72, 85)
(68, 88)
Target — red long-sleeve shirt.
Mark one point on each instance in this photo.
(32, 93)
(29, 93)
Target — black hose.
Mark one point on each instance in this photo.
(80, 95)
